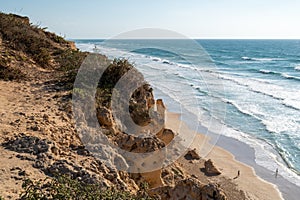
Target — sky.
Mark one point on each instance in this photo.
(222, 19)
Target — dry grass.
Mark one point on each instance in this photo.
(46, 49)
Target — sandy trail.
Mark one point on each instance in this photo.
(23, 109)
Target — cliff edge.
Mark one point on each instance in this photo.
(42, 154)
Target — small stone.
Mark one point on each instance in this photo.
(15, 168)
(45, 117)
(22, 173)
(16, 178)
(35, 128)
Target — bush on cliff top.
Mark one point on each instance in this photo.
(20, 35)
(46, 49)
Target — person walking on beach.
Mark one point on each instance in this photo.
(276, 173)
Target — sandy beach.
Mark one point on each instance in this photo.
(49, 125)
(253, 186)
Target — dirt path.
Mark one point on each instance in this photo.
(31, 109)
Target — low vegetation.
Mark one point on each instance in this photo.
(47, 50)
(110, 77)
(27, 48)
(9, 74)
(33, 40)
(63, 187)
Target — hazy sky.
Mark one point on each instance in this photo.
(193, 18)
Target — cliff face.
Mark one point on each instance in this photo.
(37, 127)
(38, 137)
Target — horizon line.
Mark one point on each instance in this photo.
(183, 38)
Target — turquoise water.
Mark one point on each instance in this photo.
(257, 98)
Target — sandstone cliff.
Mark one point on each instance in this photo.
(39, 138)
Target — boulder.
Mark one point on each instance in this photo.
(104, 117)
(210, 169)
(192, 155)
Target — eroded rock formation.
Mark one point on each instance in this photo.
(190, 189)
(210, 169)
(192, 155)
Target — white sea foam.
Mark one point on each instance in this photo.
(235, 104)
(272, 90)
(274, 123)
(297, 67)
(264, 153)
(279, 125)
(262, 59)
(292, 102)
(290, 76)
(265, 71)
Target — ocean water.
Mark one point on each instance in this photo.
(245, 89)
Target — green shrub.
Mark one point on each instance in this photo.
(19, 34)
(69, 62)
(69, 59)
(43, 57)
(63, 187)
(9, 74)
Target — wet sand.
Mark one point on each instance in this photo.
(231, 156)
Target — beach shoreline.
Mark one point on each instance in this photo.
(287, 189)
(256, 181)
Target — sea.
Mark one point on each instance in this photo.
(248, 90)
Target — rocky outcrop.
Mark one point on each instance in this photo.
(43, 154)
(173, 174)
(104, 116)
(213, 192)
(140, 104)
(28, 144)
(190, 189)
(210, 169)
(153, 178)
(51, 143)
(192, 155)
(138, 145)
